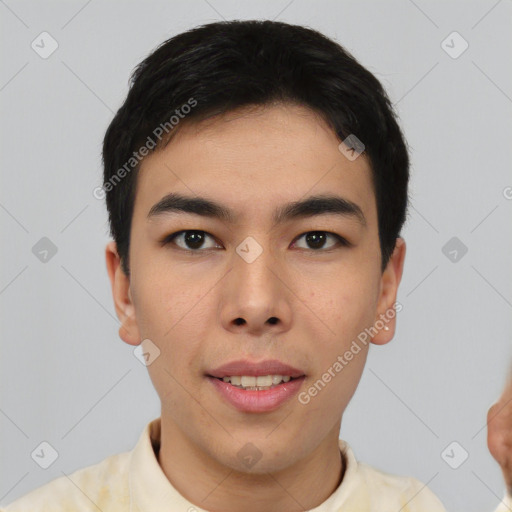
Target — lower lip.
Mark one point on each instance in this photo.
(258, 401)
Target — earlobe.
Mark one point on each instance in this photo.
(387, 309)
(120, 284)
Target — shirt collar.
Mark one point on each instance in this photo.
(151, 491)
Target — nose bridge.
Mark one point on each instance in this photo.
(252, 265)
(254, 296)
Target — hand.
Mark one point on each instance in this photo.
(499, 432)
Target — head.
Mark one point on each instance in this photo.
(243, 227)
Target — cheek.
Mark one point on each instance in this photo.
(166, 301)
(327, 394)
(347, 308)
(172, 315)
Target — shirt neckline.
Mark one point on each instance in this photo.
(150, 489)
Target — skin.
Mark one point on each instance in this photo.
(187, 302)
(499, 432)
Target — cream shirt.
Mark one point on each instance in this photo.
(133, 481)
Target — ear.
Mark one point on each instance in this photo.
(389, 282)
(120, 283)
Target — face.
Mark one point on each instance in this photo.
(299, 290)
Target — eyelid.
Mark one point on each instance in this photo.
(341, 240)
(167, 239)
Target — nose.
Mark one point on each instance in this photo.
(256, 297)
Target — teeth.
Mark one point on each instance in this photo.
(251, 382)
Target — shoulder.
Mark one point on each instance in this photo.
(99, 486)
(373, 489)
(411, 494)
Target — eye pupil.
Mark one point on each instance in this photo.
(194, 239)
(316, 239)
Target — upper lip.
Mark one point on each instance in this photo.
(244, 367)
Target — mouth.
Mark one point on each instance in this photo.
(257, 383)
(248, 369)
(256, 387)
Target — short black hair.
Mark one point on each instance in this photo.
(222, 66)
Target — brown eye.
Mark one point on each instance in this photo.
(189, 240)
(316, 240)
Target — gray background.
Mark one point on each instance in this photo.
(66, 377)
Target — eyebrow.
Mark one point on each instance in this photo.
(309, 207)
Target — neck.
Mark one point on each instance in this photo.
(208, 484)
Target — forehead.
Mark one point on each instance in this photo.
(254, 159)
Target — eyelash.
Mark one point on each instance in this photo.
(170, 238)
